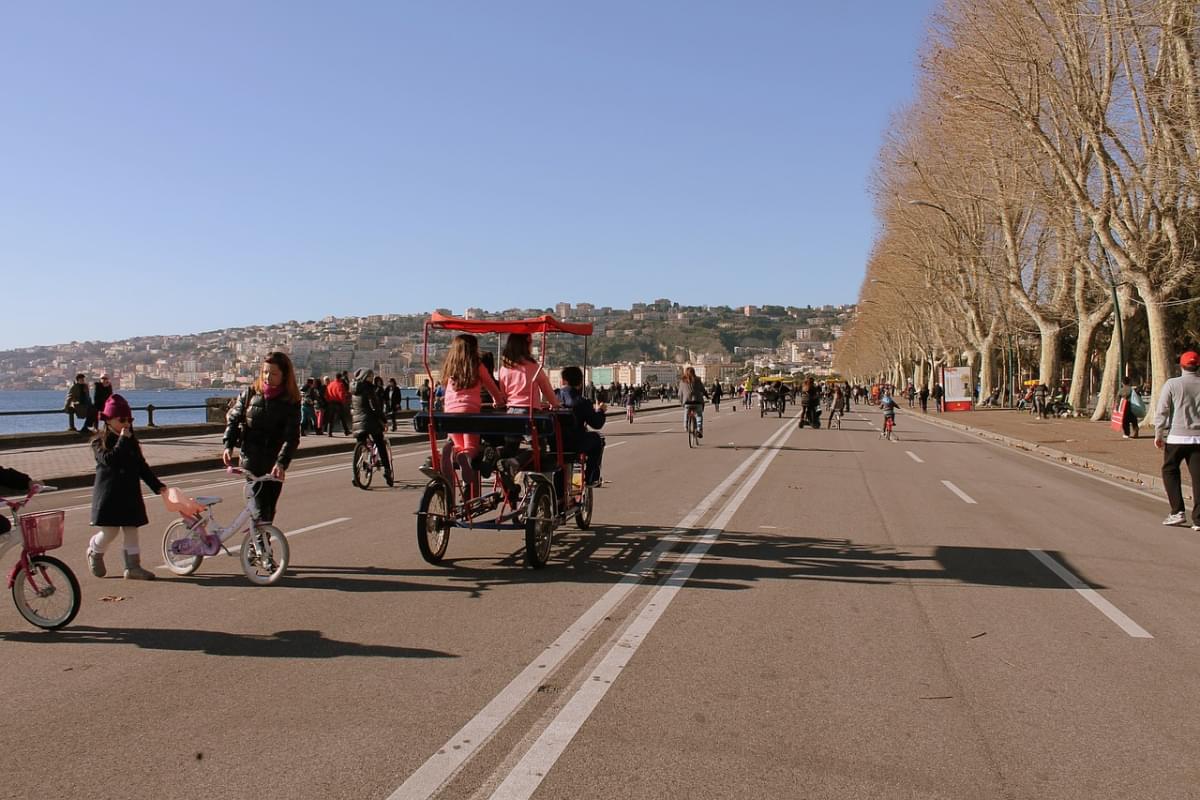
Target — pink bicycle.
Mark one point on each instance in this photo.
(44, 589)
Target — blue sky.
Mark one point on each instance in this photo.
(170, 168)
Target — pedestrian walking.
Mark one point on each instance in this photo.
(1129, 420)
(923, 395)
(308, 407)
(716, 395)
(265, 424)
(1177, 434)
(117, 505)
(393, 398)
(938, 394)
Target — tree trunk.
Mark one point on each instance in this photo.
(1083, 356)
(986, 365)
(1110, 380)
(1161, 367)
(1051, 336)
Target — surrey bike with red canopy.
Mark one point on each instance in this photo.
(534, 489)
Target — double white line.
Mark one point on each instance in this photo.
(524, 779)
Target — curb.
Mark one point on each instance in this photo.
(344, 445)
(1141, 479)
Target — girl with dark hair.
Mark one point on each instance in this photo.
(265, 423)
(525, 383)
(692, 394)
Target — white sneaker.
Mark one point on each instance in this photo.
(1124, 437)
(1175, 519)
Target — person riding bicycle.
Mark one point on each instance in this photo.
(692, 395)
(887, 405)
(838, 405)
(370, 417)
(630, 401)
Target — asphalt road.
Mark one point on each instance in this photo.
(779, 613)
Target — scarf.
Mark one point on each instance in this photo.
(272, 392)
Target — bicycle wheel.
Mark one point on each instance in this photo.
(264, 561)
(49, 597)
(363, 469)
(583, 511)
(180, 564)
(691, 431)
(539, 527)
(433, 524)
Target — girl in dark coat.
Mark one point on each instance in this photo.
(265, 423)
(117, 505)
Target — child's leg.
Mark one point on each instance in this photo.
(95, 550)
(133, 558)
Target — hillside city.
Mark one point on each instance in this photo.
(645, 344)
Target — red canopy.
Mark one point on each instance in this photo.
(542, 324)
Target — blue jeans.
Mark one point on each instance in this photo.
(699, 409)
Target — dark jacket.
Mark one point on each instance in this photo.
(393, 397)
(78, 399)
(268, 431)
(116, 494)
(581, 408)
(100, 393)
(692, 393)
(367, 408)
(12, 479)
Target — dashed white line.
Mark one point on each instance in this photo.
(966, 498)
(1106, 608)
(915, 457)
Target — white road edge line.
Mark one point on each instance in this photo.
(915, 457)
(966, 498)
(536, 764)
(1119, 618)
(444, 764)
(611, 446)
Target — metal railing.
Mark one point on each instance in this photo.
(149, 408)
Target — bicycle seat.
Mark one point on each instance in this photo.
(207, 501)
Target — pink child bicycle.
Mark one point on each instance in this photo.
(44, 589)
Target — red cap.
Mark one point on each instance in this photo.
(1190, 359)
(116, 408)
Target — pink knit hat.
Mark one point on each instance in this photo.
(116, 408)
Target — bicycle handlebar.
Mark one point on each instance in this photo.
(34, 489)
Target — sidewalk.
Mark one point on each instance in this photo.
(1091, 445)
(72, 465)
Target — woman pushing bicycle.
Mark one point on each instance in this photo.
(265, 423)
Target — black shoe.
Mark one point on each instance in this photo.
(390, 480)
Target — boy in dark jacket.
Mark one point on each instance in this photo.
(370, 418)
(590, 443)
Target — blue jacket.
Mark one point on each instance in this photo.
(581, 408)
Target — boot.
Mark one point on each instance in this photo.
(96, 563)
(133, 568)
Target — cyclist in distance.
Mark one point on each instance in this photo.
(887, 405)
(370, 417)
(692, 395)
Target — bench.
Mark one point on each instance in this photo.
(495, 424)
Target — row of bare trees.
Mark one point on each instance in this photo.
(1047, 174)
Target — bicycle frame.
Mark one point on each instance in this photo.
(208, 526)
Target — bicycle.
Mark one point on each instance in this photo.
(264, 552)
(367, 461)
(889, 426)
(44, 589)
(692, 426)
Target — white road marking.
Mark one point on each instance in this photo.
(914, 457)
(298, 531)
(443, 765)
(666, 430)
(611, 446)
(768, 527)
(966, 498)
(1092, 596)
(529, 772)
(1081, 471)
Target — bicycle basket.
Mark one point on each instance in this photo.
(43, 531)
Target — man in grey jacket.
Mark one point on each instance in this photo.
(1177, 434)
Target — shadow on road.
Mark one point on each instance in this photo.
(739, 558)
(281, 644)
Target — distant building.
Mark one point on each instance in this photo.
(562, 310)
